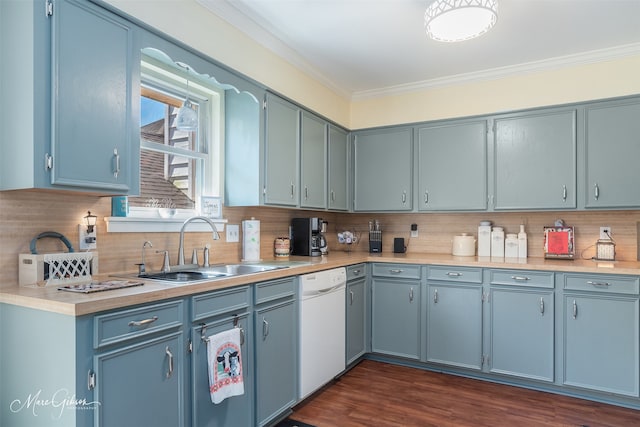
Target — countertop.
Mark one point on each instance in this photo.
(78, 304)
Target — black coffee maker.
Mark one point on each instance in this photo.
(306, 236)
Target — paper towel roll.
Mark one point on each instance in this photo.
(251, 240)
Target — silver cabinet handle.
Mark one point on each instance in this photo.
(357, 272)
(395, 271)
(520, 278)
(426, 197)
(144, 322)
(564, 193)
(541, 305)
(596, 191)
(116, 156)
(265, 328)
(333, 196)
(411, 294)
(168, 353)
(435, 296)
(351, 296)
(404, 197)
(598, 284)
(293, 189)
(454, 274)
(306, 192)
(575, 309)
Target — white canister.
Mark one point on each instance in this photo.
(497, 242)
(484, 238)
(511, 246)
(463, 245)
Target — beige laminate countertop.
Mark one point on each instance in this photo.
(78, 304)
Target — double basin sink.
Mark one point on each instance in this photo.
(186, 274)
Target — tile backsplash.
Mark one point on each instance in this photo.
(25, 214)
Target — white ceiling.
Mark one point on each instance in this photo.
(363, 48)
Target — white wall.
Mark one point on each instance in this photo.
(194, 25)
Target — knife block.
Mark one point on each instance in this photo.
(375, 241)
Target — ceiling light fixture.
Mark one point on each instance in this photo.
(187, 118)
(459, 20)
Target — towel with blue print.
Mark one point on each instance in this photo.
(225, 365)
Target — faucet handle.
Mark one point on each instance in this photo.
(166, 264)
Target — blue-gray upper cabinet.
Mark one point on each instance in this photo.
(282, 147)
(338, 169)
(612, 151)
(383, 177)
(452, 169)
(68, 119)
(535, 160)
(313, 164)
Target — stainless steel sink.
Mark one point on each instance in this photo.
(200, 274)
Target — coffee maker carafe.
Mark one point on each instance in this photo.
(306, 236)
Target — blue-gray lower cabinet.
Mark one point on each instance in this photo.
(396, 310)
(601, 333)
(276, 347)
(139, 363)
(454, 316)
(356, 315)
(522, 332)
(212, 313)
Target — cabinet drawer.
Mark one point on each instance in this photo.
(276, 289)
(405, 271)
(220, 302)
(454, 274)
(601, 283)
(136, 322)
(356, 271)
(534, 279)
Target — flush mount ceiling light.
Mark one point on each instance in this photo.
(459, 20)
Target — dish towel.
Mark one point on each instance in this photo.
(225, 365)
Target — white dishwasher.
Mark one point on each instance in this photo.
(322, 328)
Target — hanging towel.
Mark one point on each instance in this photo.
(225, 365)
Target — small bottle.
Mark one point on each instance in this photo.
(522, 242)
(497, 242)
(511, 246)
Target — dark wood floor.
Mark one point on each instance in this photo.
(379, 394)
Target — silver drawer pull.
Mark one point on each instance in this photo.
(351, 296)
(265, 328)
(411, 295)
(520, 278)
(598, 284)
(575, 309)
(454, 274)
(435, 296)
(144, 322)
(396, 271)
(168, 353)
(542, 306)
(356, 272)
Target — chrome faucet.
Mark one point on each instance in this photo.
(216, 236)
(142, 267)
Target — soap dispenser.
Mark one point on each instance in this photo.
(522, 242)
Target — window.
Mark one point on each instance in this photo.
(177, 167)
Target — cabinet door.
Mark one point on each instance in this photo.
(535, 161)
(338, 169)
(233, 411)
(383, 170)
(454, 325)
(612, 153)
(452, 169)
(94, 143)
(356, 320)
(281, 152)
(276, 367)
(601, 343)
(521, 328)
(395, 328)
(313, 172)
(141, 384)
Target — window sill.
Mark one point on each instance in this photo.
(117, 224)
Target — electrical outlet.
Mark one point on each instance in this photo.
(87, 241)
(414, 230)
(233, 233)
(605, 232)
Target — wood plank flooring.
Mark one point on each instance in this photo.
(380, 394)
